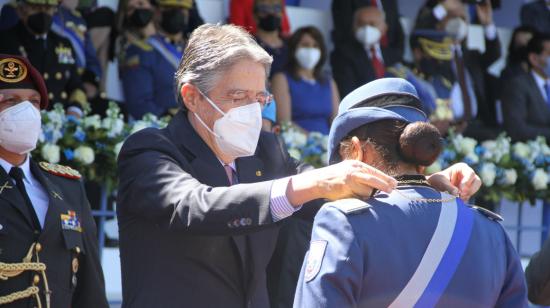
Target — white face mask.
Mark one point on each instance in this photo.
(238, 131)
(368, 35)
(457, 28)
(308, 57)
(20, 127)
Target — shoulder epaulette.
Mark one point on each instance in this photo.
(398, 71)
(143, 45)
(59, 170)
(487, 213)
(350, 206)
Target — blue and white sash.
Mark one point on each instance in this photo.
(76, 42)
(167, 50)
(440, 259)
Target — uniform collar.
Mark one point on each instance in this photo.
(25, 167)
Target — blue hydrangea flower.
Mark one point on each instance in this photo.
(69, 154)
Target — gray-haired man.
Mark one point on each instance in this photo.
(187, 239)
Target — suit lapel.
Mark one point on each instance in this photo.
(10, 193)
(539, 98)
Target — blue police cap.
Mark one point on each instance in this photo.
(351, 115)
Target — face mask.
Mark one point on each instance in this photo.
(457, 28)
(270, 22)
(308, 57)
(368, 35)
(140, 18)
(173, 21)
(238, 131)
(39, 23)
(20, 126)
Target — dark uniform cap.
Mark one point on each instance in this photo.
(437, 44)
(17, 73)
(42, 2)
(186, 4)
(352, 115)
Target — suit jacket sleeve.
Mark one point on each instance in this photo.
(339, 278)
(342, 71)
(156, 187)
(514, 291)
(515, 111)
(90, 289)
(492, 53)
(537, 274)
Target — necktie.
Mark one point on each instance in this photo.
(466, 102)
(378, 66)
(231, 175)
(547, 88)
(17, 174)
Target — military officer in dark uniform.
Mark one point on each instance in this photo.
(415, 246)
(48, 245)
(51, 54)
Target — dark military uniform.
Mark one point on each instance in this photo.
(48, 245)
(53, 57)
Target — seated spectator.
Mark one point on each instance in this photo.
(304, 94)
(149, 64)
(361, 59)
(267, 15)
(8, 15)
(516, 61)
(51, 54)
(269, 118)
(526, 97)
(241, 13)
(537, 15)
(393, 40)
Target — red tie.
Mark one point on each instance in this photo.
(378, 66)
(384, 39)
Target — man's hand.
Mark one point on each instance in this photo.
(459, 180)
(485, 13)
(453, 7)
(347, 179)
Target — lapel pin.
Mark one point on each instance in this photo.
(5, 186)
(56, 195)
(258, 173)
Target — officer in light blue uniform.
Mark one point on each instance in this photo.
(148, 66)
(413, 247)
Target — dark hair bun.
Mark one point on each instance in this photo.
(420, 143)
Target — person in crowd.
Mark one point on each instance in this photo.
(537, 15)
(49, 255)
(537, 275)
(8, 15)
(363, 58)
(526, 97)
(148, 65)
(393, 40)
(69, 23)
(415, 246)
(267, 15)
(474, 100)
(304, 93)
(204, 193)
(516, 61)
(242, 13)
(269, 119)
(52, 54)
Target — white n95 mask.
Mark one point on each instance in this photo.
(457, 28)
(308, 57)
(20, 127)
(368, 35)
(238, 131)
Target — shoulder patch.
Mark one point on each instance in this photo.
(487, 213)
(314, 259)
(143, 45)
(351, 205)
(132, 61)
(59, 170)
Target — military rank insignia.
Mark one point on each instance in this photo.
(70, 221)
(64, 54)
(12, 70)
(314, 259)
(60, 170)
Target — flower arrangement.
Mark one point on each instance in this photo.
(90, 144)
(310, 148)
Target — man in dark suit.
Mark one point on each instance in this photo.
(186, 237)
(48, 244)
(537, 15)
(362, 58)
(526, 98)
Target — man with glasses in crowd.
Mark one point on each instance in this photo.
(198, 205)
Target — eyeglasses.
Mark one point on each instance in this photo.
(242, 97)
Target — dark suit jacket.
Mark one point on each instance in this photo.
(537, 275)
(526, 114)
(352, 66)
(58, 245)
(183, 233)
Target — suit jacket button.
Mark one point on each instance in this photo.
(38, 247)
(1, 227)
(236, 223)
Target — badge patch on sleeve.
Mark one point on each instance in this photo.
(314, 259)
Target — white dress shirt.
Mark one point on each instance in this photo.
(541, 83)
(35, 190)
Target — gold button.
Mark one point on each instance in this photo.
(77, 249)
(46, 76)
(63, 95)
(36, 279)
(50, 95)
(58, 75)
(38, 247)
